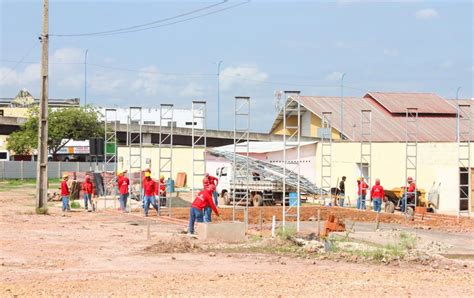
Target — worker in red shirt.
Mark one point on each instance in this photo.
(409, 195)
(87, 190)
(150, 190)
(123, 185)
(377, 194)
(202, 200)
(162, 191)
(361, 193)
(210, 180)
(65, 193)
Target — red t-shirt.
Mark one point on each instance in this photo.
(123, 183)
(64, 188)
(87, 187)
(377, 192)
(149, 187)
(204, 199)
(364, 188)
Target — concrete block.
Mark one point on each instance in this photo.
(223, 231)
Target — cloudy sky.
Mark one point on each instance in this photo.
(265, 46)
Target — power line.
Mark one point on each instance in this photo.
(20, 61)
(147, 26)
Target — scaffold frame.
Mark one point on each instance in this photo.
(135, 145)
(291, 139)
(411, 150)
(241, 169)
(110, 158)
(464, 127)
(326, 155)
(366, 147)
(199, 142)
(165, 161)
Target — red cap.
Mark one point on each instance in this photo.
(409, 179)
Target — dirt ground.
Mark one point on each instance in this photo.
(109, 253)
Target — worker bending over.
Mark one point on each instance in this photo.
(65, 193)
(409, 194)
(150, 190)
(123, 184)
(210, 180)
(361, 193)
(377, 194)
(87, 190)
(202, 200)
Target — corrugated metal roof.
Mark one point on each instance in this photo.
(428, 103)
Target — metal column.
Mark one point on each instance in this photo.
(110, 155)
(326, 155)
(291, 139)
(135, 144)
(464, 158)
(165, 162)
(366, 146)
(199, 142)
(411, 148)
(240, 168)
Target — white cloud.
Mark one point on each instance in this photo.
(391, 52)
(426, 14)
(192, 89)
(334, 76)
(243, 75)
(19, 78)
(150, 80)
(68, 55)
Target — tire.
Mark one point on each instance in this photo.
(389, 207)
(257, 200)
(226, 198)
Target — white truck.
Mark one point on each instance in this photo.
(262, 191)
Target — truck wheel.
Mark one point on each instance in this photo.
(257, 200)
(389, 207)
(225, 197)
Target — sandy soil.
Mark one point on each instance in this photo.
(108, 254)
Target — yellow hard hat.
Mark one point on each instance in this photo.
(162, 177)
(119, 173)
(147, 174)
(65, 176)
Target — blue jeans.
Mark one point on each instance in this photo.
(65, 200)
(87, 199)
(404, 202)
(377, 205)
(361, 202)
(207, 214)
(341, 199)
(215, 195)
(194, 215)
(123, 201)
(147, 200)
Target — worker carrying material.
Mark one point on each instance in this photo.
(65, 193)
(206, 182)
(409, 195)
(123, 185)
(87, 191)
(202, 200)
(377, 194)
(361, 193)
(150, 190)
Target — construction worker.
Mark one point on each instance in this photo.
(202, 200)
(87, 190)
(123, 185)
(409, 194)
(361, 193)
(162, 191)
(150, 190)
(377, 194)
(65, 193)
(342, 191)
(211, 180)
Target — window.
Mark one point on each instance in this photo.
(171, 123)
(191, 123)
(149, 122)
(1, 113)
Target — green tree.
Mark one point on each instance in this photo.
(66, 124)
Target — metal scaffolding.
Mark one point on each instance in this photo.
(240, 168)
(199, 142)
(326, 155)
(135, 144)
(165, 162)
(291, 139)
(464, 157)
(411, 149)
(110, 154)
(366, 146)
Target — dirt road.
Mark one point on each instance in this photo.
(108, 254)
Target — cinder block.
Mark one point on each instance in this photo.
(223, 231)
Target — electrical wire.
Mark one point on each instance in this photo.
(147, 26)
(20, 61)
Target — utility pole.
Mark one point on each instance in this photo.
(218, 95)
(42, 162)
(85, 77)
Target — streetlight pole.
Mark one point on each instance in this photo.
(218, 95)
(342, 105)
(85, 77)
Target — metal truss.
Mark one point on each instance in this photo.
(199, 142)
(135, 145)
(464, 127)
(366, 145)
(165, 148)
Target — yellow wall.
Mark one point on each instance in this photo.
(15, 112)
(315, 123)
(290, 121)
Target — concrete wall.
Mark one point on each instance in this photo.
(15, 112)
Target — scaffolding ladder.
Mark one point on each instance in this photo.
(135, 144)
(240, 167)
(110, 155)
(199, 142)
(411, 151)
(291, 139)
(464, 157)
(326, 156)
(366, 147)
(165, 148)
